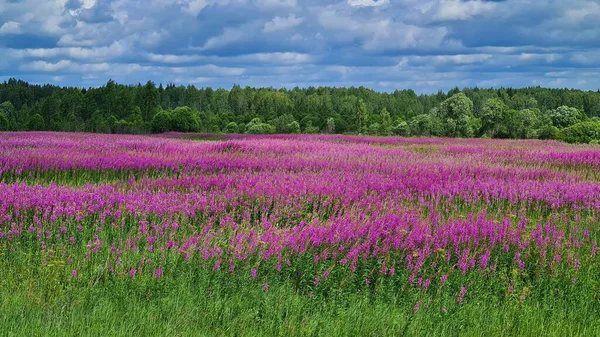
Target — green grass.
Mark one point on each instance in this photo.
(188, 311)
(47, 302)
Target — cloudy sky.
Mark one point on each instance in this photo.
(386, 44)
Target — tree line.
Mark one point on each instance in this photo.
(533, 113)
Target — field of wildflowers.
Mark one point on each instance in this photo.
(297, 235)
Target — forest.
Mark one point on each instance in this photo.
(528, 113)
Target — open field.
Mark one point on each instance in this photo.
(297, 235)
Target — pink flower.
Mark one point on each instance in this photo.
(253, 273)
(426, 283)
(461, 295)
(158, 273)
(443, 279)
(417, 307)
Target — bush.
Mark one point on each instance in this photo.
(583, 132)
(232, 127)
(261, 128)
(293, 127)
(4, 125)
(184, 119)
(257, 127)
(401, 129)
(549, 132)
(36, 123)
(161, 122)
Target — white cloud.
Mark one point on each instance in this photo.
(580, 14)
(169, 58)
(10, 27)
(115, 50)
(95, 67)
(589, 58)
(281, 23)
(279, 58)
(459, 10)
(230, 35)
(277, 3)
(225, 71)
(47, 66)
(197, 80)
(459, 59)
(367, 3)
(548, 58)
(194, 7)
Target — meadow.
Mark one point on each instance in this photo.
(297, 235)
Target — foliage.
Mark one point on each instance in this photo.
(256, 126)
(231, 127)
(401, 129)
(583, 132)
(456, 117)
(161, 122)
(549, 132)
(37, 123)
(184, 119)
(565, 116)
(117, 108)
(386, 123)
(330, 125)
(4, 124)
(493, 116)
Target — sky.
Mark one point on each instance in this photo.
(425, 45)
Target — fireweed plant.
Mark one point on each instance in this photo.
(420, 225)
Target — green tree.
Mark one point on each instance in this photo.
(386, 123)
(161, 122)
(8, 110)
(549, 132)
(362, 116)
(422, 125)
(494, 118)
(330, 125)
(4, 124)
(36, 123)
(231, 127)
(97, 123)
(283, 123)
(401, 129)
(293, 127)
(455, 114)
(565, 116)
(256, 126)
(582, 132)
(148, 99)
(310, 128)
(523, 123)
(184, 119)
(111, 122)
(237, 101)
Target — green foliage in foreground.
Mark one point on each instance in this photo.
(205, 305)
(46, 299)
